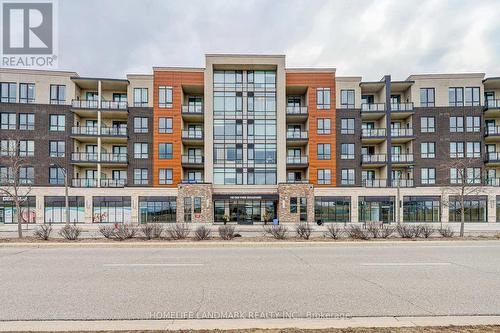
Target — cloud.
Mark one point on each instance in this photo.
(368, 38)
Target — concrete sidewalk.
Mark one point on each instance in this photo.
(229, 324)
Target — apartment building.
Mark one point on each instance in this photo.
(246, 140)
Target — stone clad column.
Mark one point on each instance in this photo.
(203, 191)
(287, 191)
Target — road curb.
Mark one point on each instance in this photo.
(229, 324)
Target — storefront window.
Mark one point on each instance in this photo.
(421, 209)
(8, 210)
(475, 209)
(111, 210)
(55, 209)
(332, 209)
(245, 211)
(376, 209)
(157, 209)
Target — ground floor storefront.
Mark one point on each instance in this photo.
(284, 204)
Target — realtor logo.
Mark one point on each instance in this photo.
(29, 34)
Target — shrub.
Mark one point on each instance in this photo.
(446, 232)
(357, 232)
(226, 232)
(124, 231)
(333, 231)
(303, 230)
(374, 229)
(406, 231)
(277, 231)
(202, 233)
(427, 230)
(178, 231)
(386, 231)
(43, 232)
(108, 231)
(151, 230)
(70, 232)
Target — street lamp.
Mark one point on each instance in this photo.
(66, 197)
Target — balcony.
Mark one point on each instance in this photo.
(297, 161)
(114, 159)
(492, 158)
(402, 159)
(297, 181)
(493, 182)
(84, 104)
(84, 182)
(112, 105)
(492, 104)
(372, 111)
(113, 183)
(192, 112)
(84, 158)
(374, 183)
(373, 135)
(297, 138)
(401, 135)
(492, 133)
(192, 137)
(401, 110)
(89, 108)
(403, 183)
(192, 161)
(114, 131)
(374, 159)
(192, 181)
(90, 133)
(297, 113)
(84, 131)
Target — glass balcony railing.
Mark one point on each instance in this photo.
(192, 109)
(373, 107)
(402, 158)
(297, 135)
(402, 106)
(401, 132)
(296, 110)
(373, 158)
(84, 157)
(297, 160)
(114, 158)
(192, 134)
(186, 159)
(373, 132)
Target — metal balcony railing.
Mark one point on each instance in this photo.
(296, 110)
(192, 109)
(192, 181)
(297, 160)
(113, 182)
(402, 158)
(402, 106)
(297, 135)
(492, 104)
(84, 130)
(402, 183)
(114, 158)
(186, 159)
(114, 131)
(84, 182)
(192, 134)
(492, 156)
(84, 157)
(374, 183)
(84, 104)
(373, 132)
(374, 158)
(372, 107)
(112, 105)
(492, 130)
(492, 182)
(401, 132)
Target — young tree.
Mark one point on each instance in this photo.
(12, 185)
(464, 181)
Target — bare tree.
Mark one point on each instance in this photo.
(464, 182)
(12, 184)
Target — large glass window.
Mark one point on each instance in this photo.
(324, 151)
(375, 209)
(57, 94)
(427, 149)
(165, 96)
(141, 150)
(57, 122)
(141, 176)
(55, 209)
(427, 97)
(332, 209)
(27, 121)
(421, 209)
(56, 176)
(456, 96)
(456, 124)
(324, 126)
(348, 177)
(473, 124)
(8, 210)
(140, 97)
(165, 125)
(322, 98)
(476, 209)
(140, 124)
(427, 124)
(472, 96)
(57, 148)
(26, 175)
(110, 209)
(157, 209)
(473, 149)
(165, 151)
(7, 92)
(324, 176)
(456, 149)
(27, 93)
(347, 151)
(26, 148)
(347, 126)
(347, 99)
(8, 121)
(165, 176)
(428, 176)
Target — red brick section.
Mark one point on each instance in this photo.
(313, 80)
(174, 79)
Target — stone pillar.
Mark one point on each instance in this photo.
(492, 208)
(445, 209)
(287, 191)
(354, 209)
(203, 191)
(88, 209)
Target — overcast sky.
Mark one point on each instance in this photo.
(109, 38)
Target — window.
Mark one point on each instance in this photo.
(57, 94)
(347, 126)
(165, 125)
(456, 149)
(26, 148)
(323, 98)
(348, 177)
(324, 126)
(188, 203)
(427, 124)
(140, 124)
(347, 99)
(165, 97)
(165, 176)
(428, 176)
(157, 209)
(26, 175)
(472, 96)
(140, 97)
(473, 175)
(8, 147)
(473, 149)
(57, 148)
(55, 209)
(332, 209)
(27, 121)
(27, 93)
(56, 176)
(141, 176)
(141, 150)
(110, 209)
(293, 205)
(347, 151)
(427, 97)
(456, 124)
(456, 96)
(197, 205)
(456, 176)
(473, 124)
(165, 151)
(324, 176)
(476, 209)
(428, 150)
(57, 123)
(324, 151)
(8, 121)
(7, 92)
(6, 175)
(421, 209)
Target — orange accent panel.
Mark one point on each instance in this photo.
(174, 79)
(313, 80)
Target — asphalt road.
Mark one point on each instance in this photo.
(410, 279)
